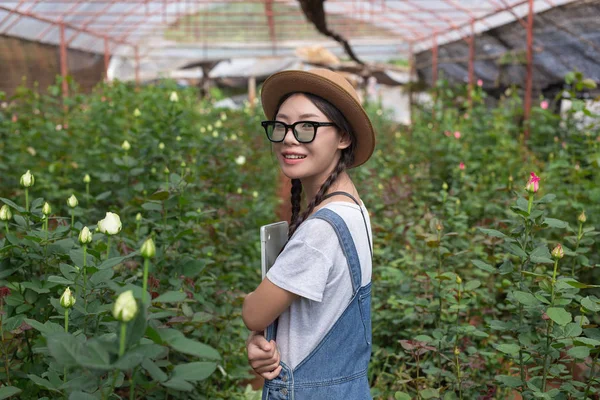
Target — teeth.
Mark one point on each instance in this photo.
(293, 156)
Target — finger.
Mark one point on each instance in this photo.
(268, 368)
(272, 375)
(267, 365)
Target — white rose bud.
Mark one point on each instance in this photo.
(72, 201)
(46, 209)
(241, 160)
(85, 236)
(5, 213)
(27, 179)
(87, 179)
(148, 249)
(137, 113)
(174, 97)
(582, 218)
(125, 307)
(125, 145)
(67, 300)
(111, 224)
(100, 227)
(138, 217)
(161, 146)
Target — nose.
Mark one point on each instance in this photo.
(289, 139)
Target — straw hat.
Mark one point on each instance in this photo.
(331, 87)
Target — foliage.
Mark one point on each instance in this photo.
(468, 301)
(182, 171)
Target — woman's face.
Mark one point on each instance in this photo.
(319, 156)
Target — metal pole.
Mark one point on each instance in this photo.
(471, 62)
(63, 61)
(411, 82)
(434, 60)
(106, 58)
(137, 66)
(529, 76)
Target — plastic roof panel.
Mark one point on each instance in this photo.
(173, 32)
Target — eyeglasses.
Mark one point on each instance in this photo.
(304, 131)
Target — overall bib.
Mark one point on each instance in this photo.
(337, 368)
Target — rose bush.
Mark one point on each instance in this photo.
(472, 296)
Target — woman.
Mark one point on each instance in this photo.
(317, 295)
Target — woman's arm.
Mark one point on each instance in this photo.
(265, 304)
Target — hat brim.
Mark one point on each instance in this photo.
(283, 83)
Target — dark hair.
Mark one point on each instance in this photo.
(346, 159)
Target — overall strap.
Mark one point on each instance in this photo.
(345, 238)
(361, 212)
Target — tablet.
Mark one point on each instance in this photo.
(272, 239)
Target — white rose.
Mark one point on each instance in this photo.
(125, 307)
(72, 201)
(241, 160)
(111, 224)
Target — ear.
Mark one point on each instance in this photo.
(345, 140)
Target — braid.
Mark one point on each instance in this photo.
(342, 164)
(296, 198)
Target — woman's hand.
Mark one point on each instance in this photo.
(263, 356)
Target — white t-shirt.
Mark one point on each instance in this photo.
(313, 265)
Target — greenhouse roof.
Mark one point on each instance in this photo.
(184, 30)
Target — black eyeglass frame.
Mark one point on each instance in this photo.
(315, 125)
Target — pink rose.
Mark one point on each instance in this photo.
(544, 105)
(461, 165)
(457, 135)
(479, 82)
(533, 184)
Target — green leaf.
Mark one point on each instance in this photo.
(483, 265)
(46, 328)
(7, 391)
(42, 382)
(510, 381)
(154, 370)
(194, 267)
(516, 250)
(590, 305)
(101, 276)
(546, 199)
(160, 195)
(579, 352)
(471, 285)
(152, 206)
(81, 396)
(60, 280)
(579, 285)
(509, 348)
(559, 315)
(104, 195)
(13, 205)
(178, 384)
(572, 330)
(194, 371)
(525, 298)
(111, 262)
(541, 255)
(401, 396)
(429, 393)
(492, 232)
(7, 272)
(179, 342)
(170, 297)
(555, 223)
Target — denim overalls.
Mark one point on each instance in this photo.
(337, 368)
